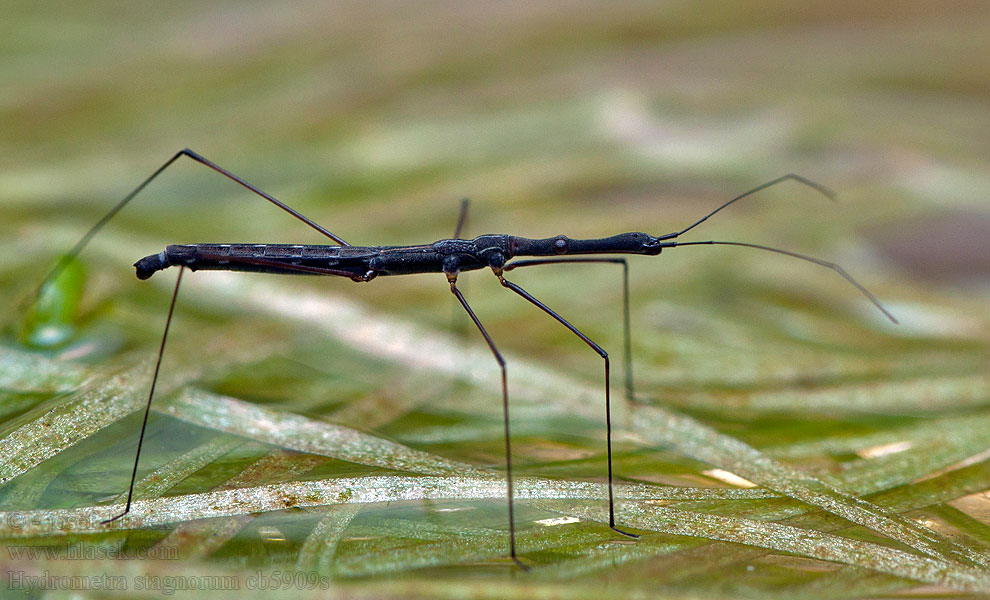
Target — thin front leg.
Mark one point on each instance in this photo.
(626, 330)
(608, 408)
(151, 394)
(452, 277)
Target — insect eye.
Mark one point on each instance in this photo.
(560, 246)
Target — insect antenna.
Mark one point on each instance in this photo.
(824, 263)
(789, 177)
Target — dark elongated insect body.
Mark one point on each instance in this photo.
(499, 252)
(363, 263)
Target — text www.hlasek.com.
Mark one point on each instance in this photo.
(88, 552)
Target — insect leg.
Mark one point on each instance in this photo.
(78, 247)
(608, 408)
(151, 394)
(452, 277)
(626, 331)
(455, 323)
(461, 218)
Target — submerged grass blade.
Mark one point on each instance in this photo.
(164, 478)
(302, 434)
(704, 443)
(691, 560)
(201, 538)
(921, 395)
(26, 371)
(367, 489)
(804, 542)
(320, 547)
(463, 546)
(55, 426)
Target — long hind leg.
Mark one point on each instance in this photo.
(151, 395)
(626, 331)
(85, 239)
(88, 236)
(452, 278)
(608, 406)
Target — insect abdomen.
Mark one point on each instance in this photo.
(264, 258)
(149, 265)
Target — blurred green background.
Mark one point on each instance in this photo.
(581, 118)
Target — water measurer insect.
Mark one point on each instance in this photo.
(500, 253)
